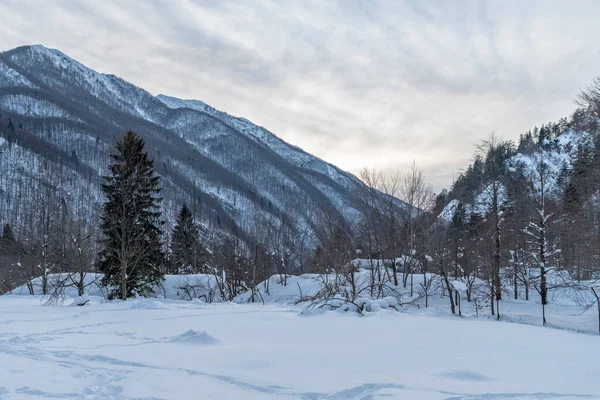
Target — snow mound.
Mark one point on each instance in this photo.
(193, 337)
(361, 305)
(148, 304)
(80, 300)
(369, 305)
(460, 286)
(461, 375)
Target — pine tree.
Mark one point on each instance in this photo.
(185, 243)
(7, 232)
(8, 244)
(131, 257)
(542, 135)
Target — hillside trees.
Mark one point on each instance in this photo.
(82, 243)
(418, 199)
(10, 253)
(131, 257)
(233, 271)
(538, 228)
(580, 215)
(187, 254)
(589, 98)
(496, 152)
(439, 255)
(373, 225)
(518, 212)
(46, 232)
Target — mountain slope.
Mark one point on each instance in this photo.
(58, 114)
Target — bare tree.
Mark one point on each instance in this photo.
(494, 152)
(418, 198)
(589, 98)
(439, 256)
(372, 226)
(538, 228)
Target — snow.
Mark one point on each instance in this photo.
(9, 77)
(571, 305)
(174, 287)
(557, 155)
(30, 106)
(290, 153)
(189, 350)
(448, 212)
(484, 201)
(460, 286)
(193, 337)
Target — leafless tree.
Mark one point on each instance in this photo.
(538, 229)
(419, 198)
(589, 98)
(493, 151)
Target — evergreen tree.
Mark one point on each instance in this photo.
(526, 143)
(542, 136)
(131, 255)
(7, 232)
(185, 242)
(8, 244)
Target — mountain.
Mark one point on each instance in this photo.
(60, 119)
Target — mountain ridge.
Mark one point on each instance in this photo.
(234, 166)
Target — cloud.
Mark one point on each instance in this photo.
(358, 83)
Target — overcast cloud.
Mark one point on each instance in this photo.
(357, 83)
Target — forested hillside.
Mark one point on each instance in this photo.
(524, 209)
(60, 120)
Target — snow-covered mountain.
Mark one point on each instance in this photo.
(560, 154)
(59, 120)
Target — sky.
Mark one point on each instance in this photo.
(358, 83)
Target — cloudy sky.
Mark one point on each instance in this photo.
(358, 83)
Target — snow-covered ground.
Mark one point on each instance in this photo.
(166, 349)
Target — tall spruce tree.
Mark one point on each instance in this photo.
(8, 244)
(185, 243)
(131, 257)
(7, 232)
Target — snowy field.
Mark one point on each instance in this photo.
(166, 349)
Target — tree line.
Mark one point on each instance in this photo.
(515, 215)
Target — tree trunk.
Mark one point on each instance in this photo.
(496, 273)
(81, 284)
(497, 309)
(515, 280)
(425, 286)
(543, 293)
(492, 299)
(123, 281)
(598, 301)
(449, 287)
